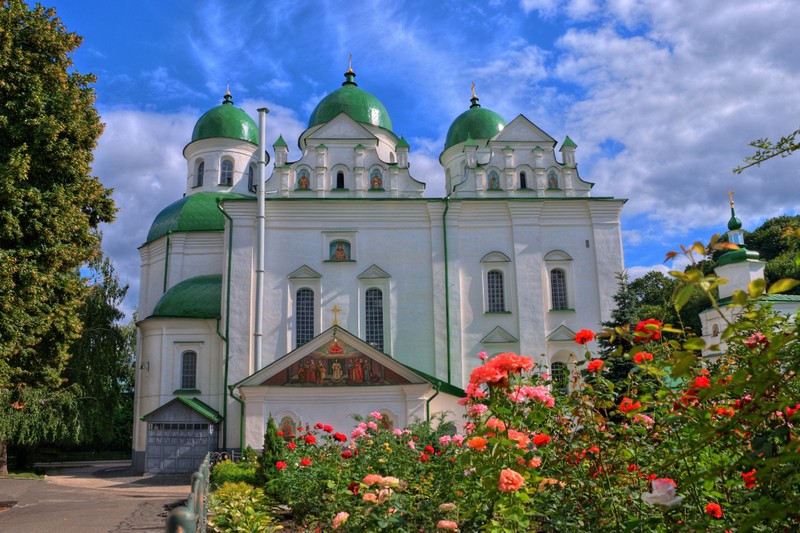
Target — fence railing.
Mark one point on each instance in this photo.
(192, 517)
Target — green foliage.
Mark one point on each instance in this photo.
(766, 149)
(241, 508)
(227, 471)
(272, 450)
(101, 362)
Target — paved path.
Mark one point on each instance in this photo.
(91, 498)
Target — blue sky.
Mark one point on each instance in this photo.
(661, 97)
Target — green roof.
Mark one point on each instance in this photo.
(280, 141)
(402, 143)
(476, 123)
(227, 121)
(194, 404)
(737, 256)
(196, 212)
(356, 103)
(771, 298)
(198, 297)
(568, 142)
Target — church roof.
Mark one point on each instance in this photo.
(196, 212)
(228, 121)
(355, 102)
(198, 297)
(194, 404)
(475, 123)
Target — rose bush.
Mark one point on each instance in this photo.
(682, 442)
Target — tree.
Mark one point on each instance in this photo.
(625, 313)
(50, 208)
(101, 362)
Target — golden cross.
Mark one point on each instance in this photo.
(730, 196)
(473, 90)
(335, 310)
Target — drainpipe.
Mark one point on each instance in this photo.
(227, 329)
(447, 277)
(166, 262)
(428, 404)
(241, 416)
(258, 327)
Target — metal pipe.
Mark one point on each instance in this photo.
(227, 329)
(258, 327)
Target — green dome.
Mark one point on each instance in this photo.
(197, 212)
(734, 223)
(356, 103)
(475, 123)
(226, 120)
(198, 297)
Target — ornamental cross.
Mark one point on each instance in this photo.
(730, 197)
(335, 310)
(473, 90)
(350, 63)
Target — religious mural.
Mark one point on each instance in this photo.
(334, 365)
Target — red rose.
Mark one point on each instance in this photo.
(595, 365)
(714, 510)
(647, 330)
(749, 479)
(291, 445)
(347, 454)
(642, 356)
(327, 428)
(340, 437)
(584, 336)
(429, 449)
(310, 439)
(541, 439)
(318, 425)
(280, 465)
(305, 461)
(628, 405)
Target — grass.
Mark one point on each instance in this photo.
(25, 474)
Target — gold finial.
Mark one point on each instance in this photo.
(350, 64)
(730, 197)
(228, 88)
(335, 310)
(473, 90)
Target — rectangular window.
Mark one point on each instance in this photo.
(189, 370)
(226, 172)
(494, 291)
(558, 289)
(373, 314)
(304, 316)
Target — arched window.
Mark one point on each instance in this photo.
(523, 181)
(715, 330)
(251, 178)
(226, 172)
(189, 370)
(373, 315)
(495, 298)
(304, 316)
(558, 289)
(559, 376)
(340, 180)
(198, 175)
(303, 183)
(494, 181)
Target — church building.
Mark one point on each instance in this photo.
(330, 285)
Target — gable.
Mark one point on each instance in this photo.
(335, 358)
(523, 130)
(561, 333)
(498, 336)
(341, 127)
(305, 272)
(374, 272)
(182, 409)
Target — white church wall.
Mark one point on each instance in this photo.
(211, 152)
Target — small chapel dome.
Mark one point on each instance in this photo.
(226, 120)
(355, 102)
(734, 223)
(474, 123)
(196, 212)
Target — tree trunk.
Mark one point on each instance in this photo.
(3, 458)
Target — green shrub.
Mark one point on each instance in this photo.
(239, 507)
(227, 471)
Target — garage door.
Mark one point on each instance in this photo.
(178, 447)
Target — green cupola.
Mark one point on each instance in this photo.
(226, 121)
(474, 123)
(736, 236)
(353, 101)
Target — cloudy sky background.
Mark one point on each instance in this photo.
(661, 97)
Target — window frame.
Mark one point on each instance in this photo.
(377, 322)
(199, 172)
(297, 323)
(562, 261)
(497, 262)
(495, 291)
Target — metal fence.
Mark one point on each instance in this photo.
(193, 517)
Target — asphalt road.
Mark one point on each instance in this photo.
(94, 498)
